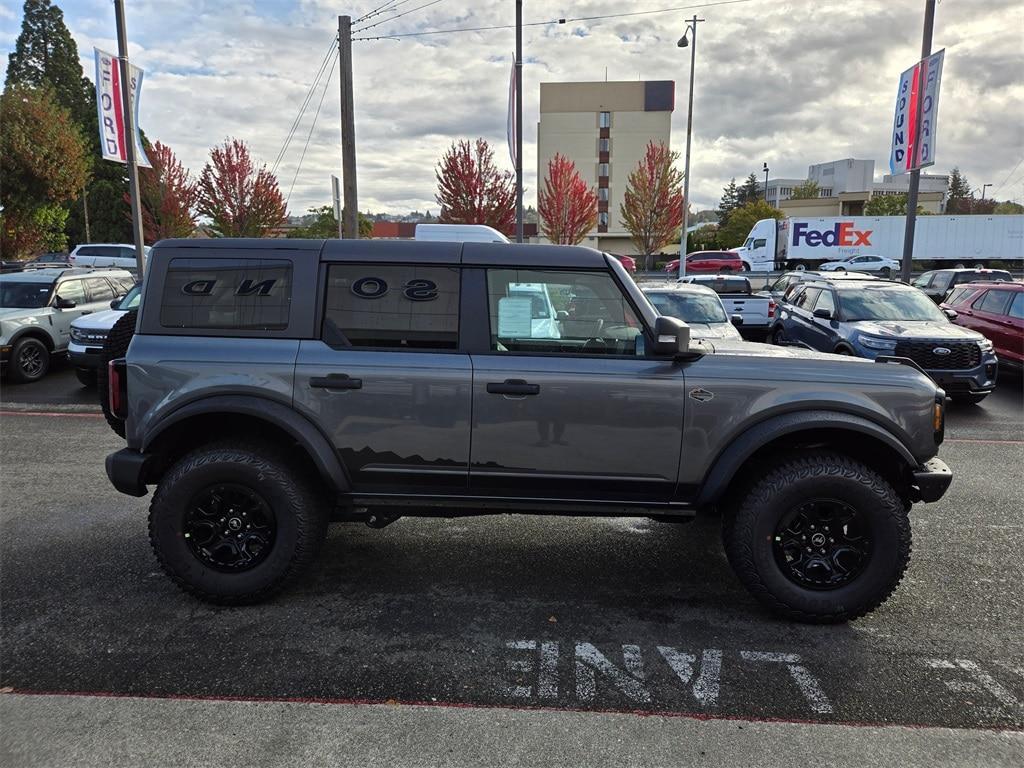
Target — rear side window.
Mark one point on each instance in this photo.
(806, 299)
(99, 289)
(99, 250)
(994, 302)
(392, 306)
(240, 294)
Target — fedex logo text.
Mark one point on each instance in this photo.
(842, 234)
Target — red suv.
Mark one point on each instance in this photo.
(708, 262)
(996, 310)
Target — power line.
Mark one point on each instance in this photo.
(1008, 176)
(302, 108)
(302, 157)
(545, 23)
(380, 9)
(404, 13)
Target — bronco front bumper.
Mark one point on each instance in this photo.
(931, 480)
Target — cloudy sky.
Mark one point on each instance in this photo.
(787, 82)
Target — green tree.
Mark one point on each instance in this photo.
(743, 220)
(960, 198)
(730, 201)
(890, 205)
(808, 190)
(1008, 208)
(42, 166)
(749, 191)
(320, 224)
(702, 239)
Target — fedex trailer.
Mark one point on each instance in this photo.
(939, 241)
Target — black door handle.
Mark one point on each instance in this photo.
(513, 387)
(336, 381)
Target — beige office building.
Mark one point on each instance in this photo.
(604, 128)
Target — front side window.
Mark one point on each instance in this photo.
(959, 294)
(230, 294)
(72, 290)
(994, 302)
(923, 280)
(779, 286)
(544, 312)
(941, 281)
(1017, 307)
(825, 301)
(392, 306)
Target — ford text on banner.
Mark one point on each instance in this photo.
(109, 106)
(910, 151)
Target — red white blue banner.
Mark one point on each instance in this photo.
(110, 107)
(510, 128)
(918, 89)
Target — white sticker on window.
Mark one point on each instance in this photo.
(514, 318)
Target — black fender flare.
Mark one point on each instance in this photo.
(301, 429)
(729, 461)
(35, 332)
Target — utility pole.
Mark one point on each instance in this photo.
(129, 133)
(350, 210)
(683, 42)
(85, 211)
(983, 188)
(915, 175)
(519, 121)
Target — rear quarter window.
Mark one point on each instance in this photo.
(229, 294)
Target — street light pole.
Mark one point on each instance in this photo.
(766, 182)
(691, 26)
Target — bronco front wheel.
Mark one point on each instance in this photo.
(820, 539)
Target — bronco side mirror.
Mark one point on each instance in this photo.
(671, 336)
(60, 303)
(824, 314)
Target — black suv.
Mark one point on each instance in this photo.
(938, 283)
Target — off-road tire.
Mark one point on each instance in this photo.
(25, 345)
(295, 498)
(86, 377)
(115, 346)
(748, 532)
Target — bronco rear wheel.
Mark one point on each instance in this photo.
(232, 524)
(820, 539)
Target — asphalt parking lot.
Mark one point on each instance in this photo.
(557, 627)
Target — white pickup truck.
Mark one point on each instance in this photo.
(738, 298)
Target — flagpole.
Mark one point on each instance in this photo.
(129, 131)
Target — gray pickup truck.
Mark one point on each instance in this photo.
(272, 386)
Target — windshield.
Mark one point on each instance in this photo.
(131, 299)
(689, 307)
(24, 295)
(868, 303)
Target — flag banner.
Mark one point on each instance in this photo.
(911, 151)
(109, 105)
(510, 128)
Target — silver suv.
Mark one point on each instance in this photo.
(272, 386)
(36, 310)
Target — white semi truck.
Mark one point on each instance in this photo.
(939, 241)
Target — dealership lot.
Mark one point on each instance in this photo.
(620, 615)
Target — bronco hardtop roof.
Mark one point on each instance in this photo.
(469, 253)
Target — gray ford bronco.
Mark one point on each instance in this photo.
(272, 386)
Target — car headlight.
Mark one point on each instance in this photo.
(884, 345)
(986, 345)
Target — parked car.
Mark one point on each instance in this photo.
(785, 283)
(697, 306)
(416, 387)
(89, 334)
(995, 310)
(44, 260)
(96, 255)
(939, 282)
(37, 308)
(11, 266)
(708, 262)
(628, 262)
(880, 318)
(756, 309)
(867, 262)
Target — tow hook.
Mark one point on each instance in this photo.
(380, 521)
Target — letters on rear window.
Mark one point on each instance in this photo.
(238, 294)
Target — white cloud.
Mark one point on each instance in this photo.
(787, 83)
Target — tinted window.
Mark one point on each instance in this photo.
(99, 250)
(243, 294)
(1017, 307)
(825, 301)
(994, 302)
(690, 307)
(17, 293)
(72, 290)
(375, 305)
(123, 284)
(806, 299)
(941, 280)
(559, 312)
(959, 294)
(99, 289)
(923, 280)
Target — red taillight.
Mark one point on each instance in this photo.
(115, 387)
(771, 307)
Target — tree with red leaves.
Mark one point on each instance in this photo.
(167, 194)
(567, 206)
(652, 209)
(471, 189)
(241, 200)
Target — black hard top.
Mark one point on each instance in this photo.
(425, 251)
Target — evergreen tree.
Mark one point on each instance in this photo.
(749, 192)
(961, 198)
(730, 201)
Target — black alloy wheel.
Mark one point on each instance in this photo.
(822, 544)
(229, 527)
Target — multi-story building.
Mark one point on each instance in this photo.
(604, 128)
